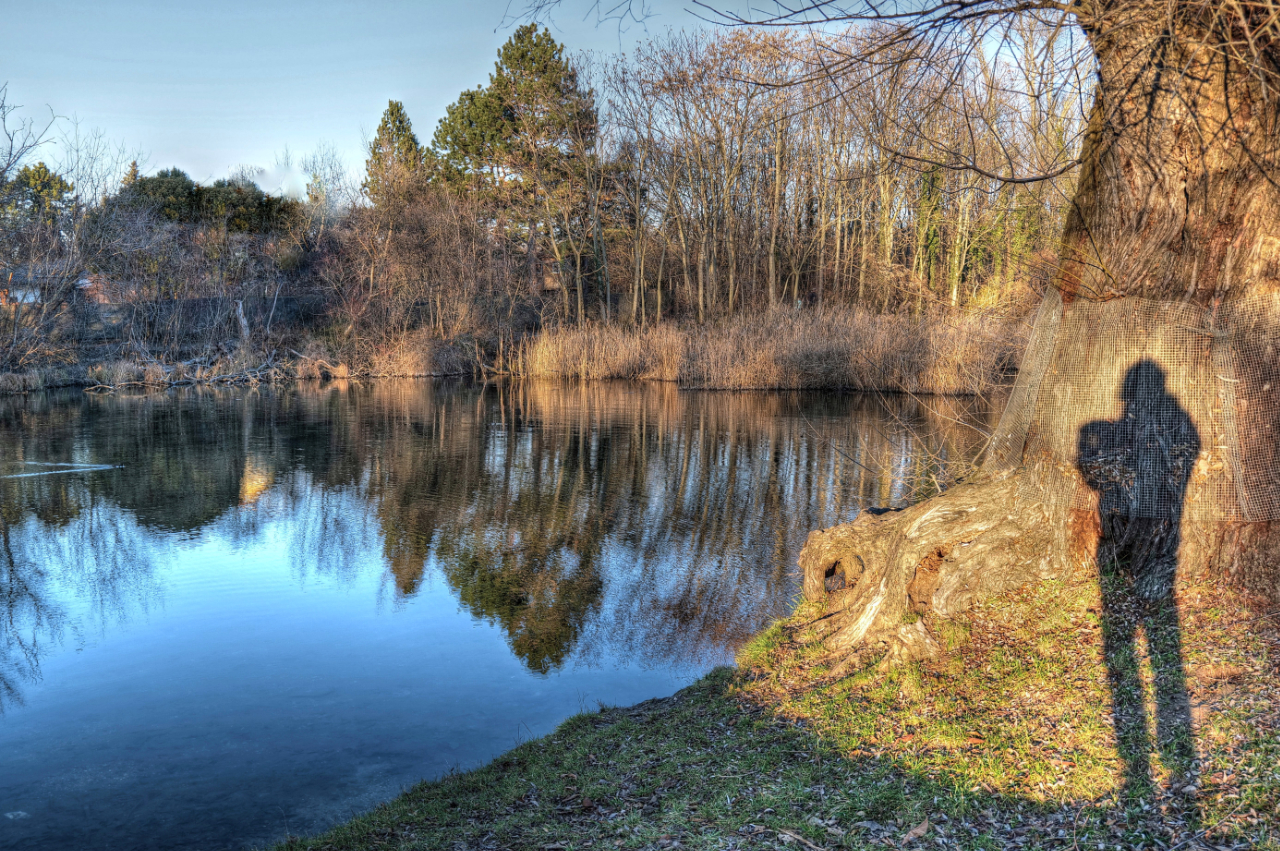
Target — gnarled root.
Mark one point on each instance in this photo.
(877, 575)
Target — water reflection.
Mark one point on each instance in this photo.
(593, 520)
(70, 565)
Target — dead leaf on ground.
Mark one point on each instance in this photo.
(916, 832)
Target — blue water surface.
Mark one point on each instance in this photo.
(231, 616)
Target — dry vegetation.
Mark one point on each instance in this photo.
(633, 194)
(792, 349)
(831, 348)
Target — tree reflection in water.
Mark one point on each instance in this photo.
(70, 563)
(584, 520)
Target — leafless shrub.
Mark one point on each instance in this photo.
(427, 263)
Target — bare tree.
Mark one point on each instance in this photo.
(21, 136)
(92, 162)
(769, 181)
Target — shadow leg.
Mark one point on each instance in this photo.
(1129, 714)
(1175, 737)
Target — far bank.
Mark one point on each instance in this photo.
(809, 348)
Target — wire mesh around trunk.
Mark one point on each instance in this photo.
(1148, 408)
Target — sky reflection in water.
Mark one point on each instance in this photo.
(254, 612)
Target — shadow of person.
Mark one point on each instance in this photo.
(1139, 466)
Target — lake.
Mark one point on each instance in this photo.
(231, 615)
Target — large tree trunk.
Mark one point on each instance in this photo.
(1142, 431)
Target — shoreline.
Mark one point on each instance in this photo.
(820, 349)
(1002, 744)
(29, 383)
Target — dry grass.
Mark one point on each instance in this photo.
(42, 378)
(788, 349)
(418, 354)
(606, 351)
(118, 372)
(410, 356)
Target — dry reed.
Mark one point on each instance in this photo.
(792, 349)
(416, 354)
(605, 351)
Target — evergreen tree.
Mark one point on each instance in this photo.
(532, 115)
(395, 156)
(470, 139)
(543, 107)
(244, 207)
(525, 140)
(39, 191)
(239, 205)
(131, 176)
(171, 192)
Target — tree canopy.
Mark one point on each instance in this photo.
(241, 205)
(37, 191)
(532, 113)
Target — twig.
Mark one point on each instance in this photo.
(323, 363)
(800, 839)
(1075, 822)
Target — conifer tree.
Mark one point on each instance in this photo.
(395, 156)
(40, 191)
(532, 115)
(525, 141)
(470, 139)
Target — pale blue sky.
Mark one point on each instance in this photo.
(208, 86)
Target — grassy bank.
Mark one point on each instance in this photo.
(1004, 744)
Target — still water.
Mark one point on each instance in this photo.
(228, 616)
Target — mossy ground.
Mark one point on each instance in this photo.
(1005, 743)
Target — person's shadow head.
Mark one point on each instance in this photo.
(1139, 466)
(1143, 381)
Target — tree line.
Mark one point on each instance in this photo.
(702, 176)
(726, 170)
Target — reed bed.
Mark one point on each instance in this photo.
(791, 349)
(833, 348)
(596, 351)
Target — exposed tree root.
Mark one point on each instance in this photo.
(877, 575)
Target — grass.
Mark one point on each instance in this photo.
(36, 379)
(789, 349)
(1005, 743)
